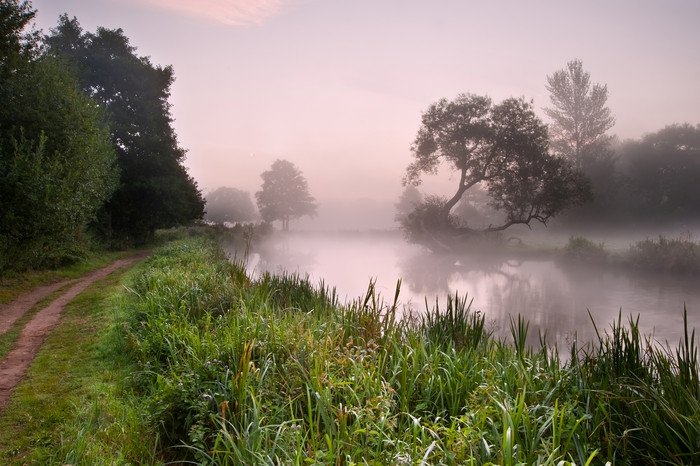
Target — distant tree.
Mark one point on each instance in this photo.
(662, 172)
(229, 205)
(155, 189)
(580, 121)
(504, 148)
(56, 162)
(410, 198)
(284, 195)
(580, 117)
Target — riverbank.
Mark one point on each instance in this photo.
(220, 367)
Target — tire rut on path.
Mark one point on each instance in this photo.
(14, 366)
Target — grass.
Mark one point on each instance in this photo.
(677, 255)
(8, 339)
(72, 407)
(13, 284)
(235, 370)
(196, 361)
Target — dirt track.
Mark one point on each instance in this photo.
(14, 366)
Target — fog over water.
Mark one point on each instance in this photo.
(552, 296)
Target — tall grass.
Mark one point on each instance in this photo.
(275, 370)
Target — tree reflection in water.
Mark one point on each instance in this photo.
(553, 297)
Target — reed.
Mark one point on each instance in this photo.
(275, 370)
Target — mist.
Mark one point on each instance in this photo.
(554, 296)
(338, 89)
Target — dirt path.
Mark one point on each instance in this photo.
(14, 366)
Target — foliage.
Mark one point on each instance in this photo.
(275, 370)
(580, 121)
(229, 205)
(503, 148)
(17, 45)
(426, 222)
(410, 198)
(580, 249)
(155, 190)
(579, 114)
(284, 194)
(56, 164)
(680, 255)
(662, 171)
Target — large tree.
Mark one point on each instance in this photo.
(284, 194)
(229, 205)
(580, 116)
(155, 190)
(580, 120)
(56, 162)
(504, 149)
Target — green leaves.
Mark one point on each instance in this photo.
(56, 165)
(155, 190)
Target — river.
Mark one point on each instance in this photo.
(552, 296)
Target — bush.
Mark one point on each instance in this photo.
(580, 249)
(669, 255)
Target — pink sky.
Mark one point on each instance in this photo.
(338, 87)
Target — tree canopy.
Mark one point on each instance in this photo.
(662, 175)
(502, 147)
(580, 117)
(580, 121)
(229, 205)
(57, 166)
(284, 194)
(155, 190)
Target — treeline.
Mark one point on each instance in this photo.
(651, 181)
(87, 148)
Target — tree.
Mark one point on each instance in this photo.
(580, 120)
(155, 189)
(410, 198)
(580, 117)
(17, 46)
(662, 172)
(504, 148)
(56, 162)
(284, 195)
(229, 205)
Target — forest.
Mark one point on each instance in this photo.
(88, 154)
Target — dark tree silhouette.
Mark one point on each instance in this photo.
(504, 148)
(155, 189)
(284, 195)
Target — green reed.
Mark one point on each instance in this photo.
(275, 370)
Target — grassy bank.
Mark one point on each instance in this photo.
(274, 370)
(194, 360)
(73, 406)
(663, 255)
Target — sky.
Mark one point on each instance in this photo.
(337, 87)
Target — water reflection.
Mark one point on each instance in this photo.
(555, 298)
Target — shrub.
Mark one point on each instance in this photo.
(580, 249)
(680, 255)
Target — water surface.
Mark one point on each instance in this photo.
(552, 296)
